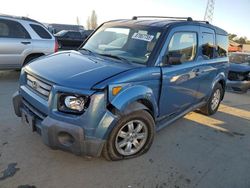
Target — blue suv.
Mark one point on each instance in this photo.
(129, 79)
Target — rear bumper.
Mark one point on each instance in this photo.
(240, 86)
(58, 134)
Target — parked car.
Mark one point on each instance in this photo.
(86, 33)
(22, 40)
(71, 39)
(239, 72)
(128, 80)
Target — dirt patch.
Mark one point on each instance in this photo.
(9, 172)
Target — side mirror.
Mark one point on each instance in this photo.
(172, 59)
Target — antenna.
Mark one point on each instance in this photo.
(209, 11)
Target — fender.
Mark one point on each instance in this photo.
(220, 77)
(131, 94)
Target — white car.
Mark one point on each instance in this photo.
(22, 40)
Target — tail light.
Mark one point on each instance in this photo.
(56, 46)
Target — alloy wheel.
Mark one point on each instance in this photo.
(131, 137)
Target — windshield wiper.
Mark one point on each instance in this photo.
(87, 50)
(116, 57)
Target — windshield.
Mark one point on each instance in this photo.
(127, 43)
(239, 58)
(61, 33)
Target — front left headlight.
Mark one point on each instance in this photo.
(72, 103)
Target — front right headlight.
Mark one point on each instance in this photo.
(71, 103)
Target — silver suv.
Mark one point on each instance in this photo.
(22, 40)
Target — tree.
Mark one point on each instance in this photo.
(241, 40)
(235, 38)
(77, 21)
(231, 36)
(92, 21)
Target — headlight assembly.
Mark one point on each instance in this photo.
(70, 103)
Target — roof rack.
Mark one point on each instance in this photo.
(177, 18)
(18, 17)
(167, 17)
(203, 21)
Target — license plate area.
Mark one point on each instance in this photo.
(28, 119)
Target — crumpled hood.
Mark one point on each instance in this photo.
(244, 67)
(72, 69)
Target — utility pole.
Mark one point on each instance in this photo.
(209, 11)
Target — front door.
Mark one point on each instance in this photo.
(179, 72)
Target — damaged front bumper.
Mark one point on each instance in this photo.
(64, 135)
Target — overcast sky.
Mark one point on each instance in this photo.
(231, 15)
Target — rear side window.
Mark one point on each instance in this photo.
(182, 47)
(12, 29)
(40, 31)
(208, 45)
(222, 45)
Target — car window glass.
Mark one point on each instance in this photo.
(40, 31)
(182, 47)
(69, 35)
(208, 45)
(12, 29)
(4, 30)
(78, 35)
(222, 45)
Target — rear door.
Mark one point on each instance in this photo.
(14, 41)
(208, 63)
(179, 81)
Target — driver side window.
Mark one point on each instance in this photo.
(182, 48)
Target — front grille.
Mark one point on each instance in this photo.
(35, 111)
(38, 86)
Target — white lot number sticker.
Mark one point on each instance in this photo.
(144, 37)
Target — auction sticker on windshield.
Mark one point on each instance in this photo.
(144, 37)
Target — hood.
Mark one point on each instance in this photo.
(72, 69)
(236, 67)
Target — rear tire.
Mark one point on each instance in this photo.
(213, 103)
(131, 137)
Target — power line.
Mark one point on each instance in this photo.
(209, 11)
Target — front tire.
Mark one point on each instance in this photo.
(213, 103)
(131, 137)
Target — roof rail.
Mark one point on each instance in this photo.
(203, 21)
(18, 17)
(177, 18)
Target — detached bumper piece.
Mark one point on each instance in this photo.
(239, 86)
(238, 81)
(57, 134)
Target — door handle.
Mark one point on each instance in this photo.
(25, 43)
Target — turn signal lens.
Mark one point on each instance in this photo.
(116, 90)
